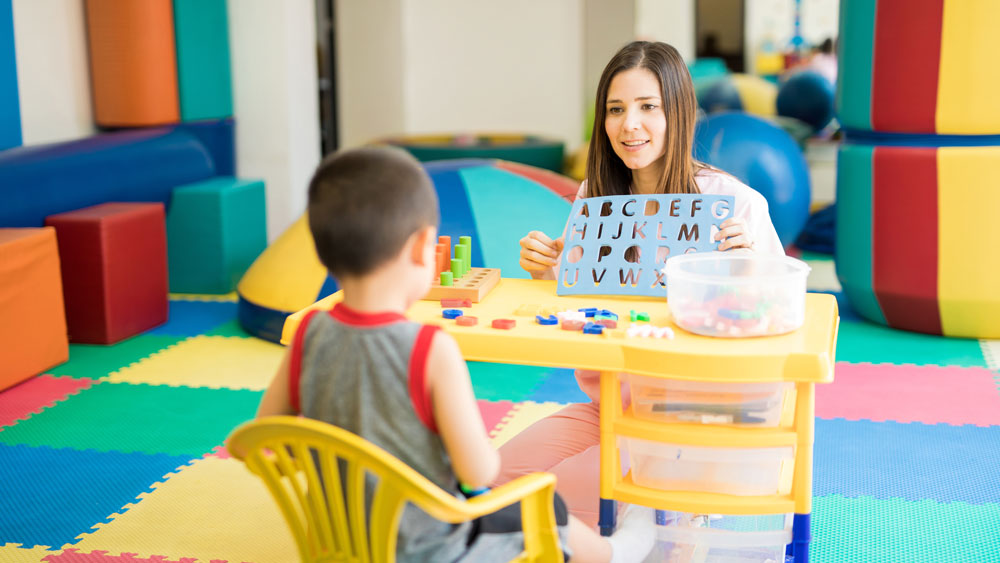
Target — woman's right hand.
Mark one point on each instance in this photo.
(539, 254)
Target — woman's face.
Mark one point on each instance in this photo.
(635, 122)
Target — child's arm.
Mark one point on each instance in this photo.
(276, 399)
(475, 461)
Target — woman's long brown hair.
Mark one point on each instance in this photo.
(606, 173)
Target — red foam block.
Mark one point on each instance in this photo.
(114, 270)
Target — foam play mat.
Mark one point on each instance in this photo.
(116, 455)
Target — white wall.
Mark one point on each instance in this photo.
(53, 79)
(370, 71)
(273, 50)
(486, 66)
(668, 21)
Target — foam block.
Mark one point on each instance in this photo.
(215, 229)
(32, 321)
(133, 63)
(114, 270)
(141, 165)
(10, 111)
(201, 34)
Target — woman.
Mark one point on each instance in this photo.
(643, 132)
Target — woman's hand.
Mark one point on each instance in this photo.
(539, 254)
(733, 233)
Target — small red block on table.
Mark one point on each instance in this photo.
(114, 270)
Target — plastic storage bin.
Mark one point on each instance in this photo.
(736, 295)
(722, 539)
(698, 402)
(734, 471)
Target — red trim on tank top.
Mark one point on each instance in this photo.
(295, 362)
(352, 317)
(418, 377)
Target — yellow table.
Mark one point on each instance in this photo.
(805, 357)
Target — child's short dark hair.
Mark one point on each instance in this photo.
(363, 206)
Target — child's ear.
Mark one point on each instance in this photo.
(422, 249)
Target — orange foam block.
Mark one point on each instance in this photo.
(133, 62)
(32, 318)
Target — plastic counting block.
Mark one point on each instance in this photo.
(608, 323)
(605, 314)
(466, 321)
(638, 316)
(549, 320)
(505, 324)
(572, 325)
(453, 303)
(588, 311)
(572, 316)
(452, 313)
(592, 328)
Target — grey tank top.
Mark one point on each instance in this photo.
(364, 373)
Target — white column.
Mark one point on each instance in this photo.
(275, 101)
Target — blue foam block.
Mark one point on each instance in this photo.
(219, 138)
(911, 461)
(10, 109)
(192, 318)
(126, 166)
(51, 496)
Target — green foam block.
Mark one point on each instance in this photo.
(201, 34)
(215, 230)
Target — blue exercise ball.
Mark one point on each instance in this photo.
(807, 96)
(720, 95)
(764, 157)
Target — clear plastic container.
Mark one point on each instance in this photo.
(733, 471)
(699, 402)
(722, 539)
(736, 295)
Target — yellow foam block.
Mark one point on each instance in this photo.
(14, 553)
(520, 417)
(214, 509)
(208, 361)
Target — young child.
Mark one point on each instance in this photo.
(401, 385)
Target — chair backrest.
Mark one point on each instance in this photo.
(304, 461)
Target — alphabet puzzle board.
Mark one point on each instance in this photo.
(602, 230)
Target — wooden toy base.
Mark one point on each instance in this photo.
(474, 285)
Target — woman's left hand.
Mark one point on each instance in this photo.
(733, 233)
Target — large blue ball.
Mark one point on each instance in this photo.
(764, 157)
(807, 96)
(721, 95)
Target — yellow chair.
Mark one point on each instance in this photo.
(295, 455)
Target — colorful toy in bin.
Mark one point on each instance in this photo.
(736, 295)
(455, 278)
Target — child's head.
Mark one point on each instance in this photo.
(366, 205)
(666, 120)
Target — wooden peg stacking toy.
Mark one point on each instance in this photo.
(454, 276)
